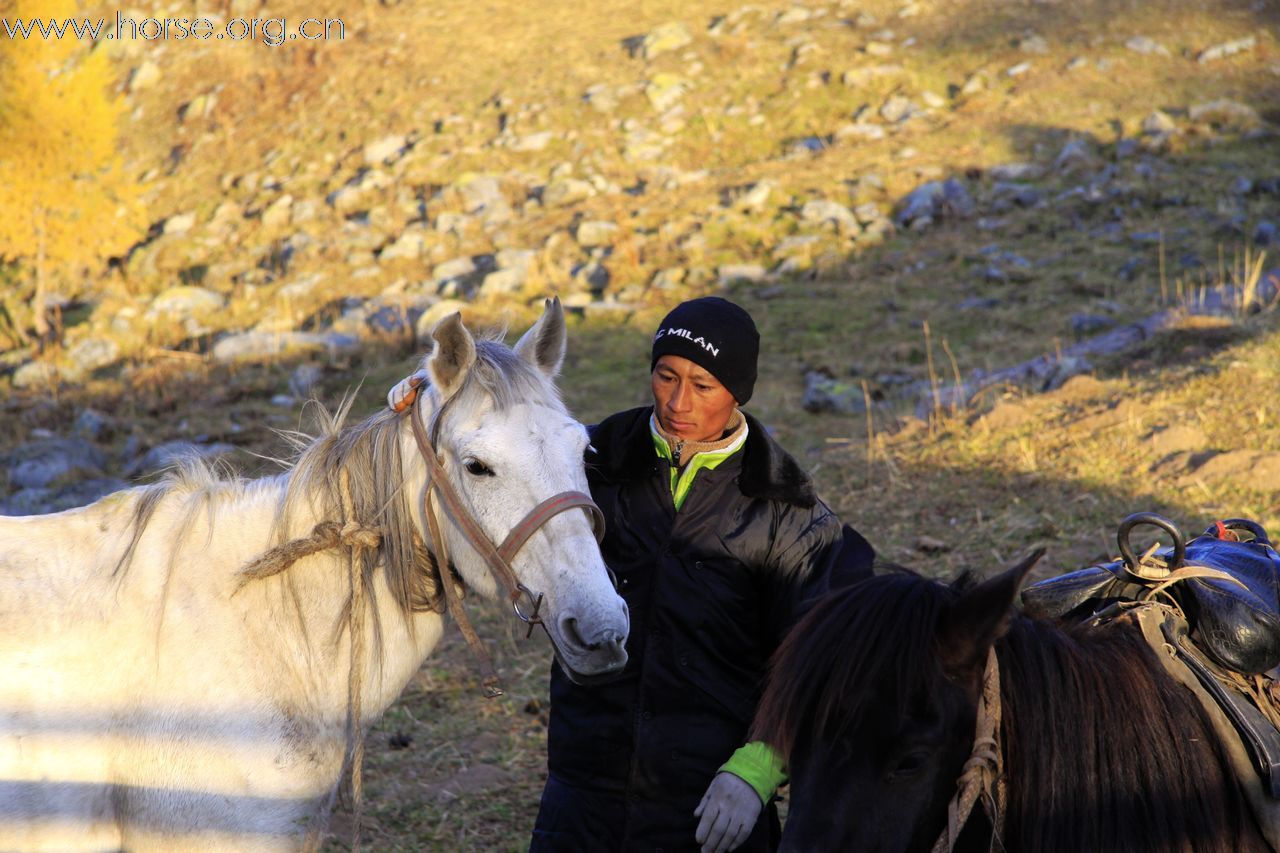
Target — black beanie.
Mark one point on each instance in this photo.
(716, 335)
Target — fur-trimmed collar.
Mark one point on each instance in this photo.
(622, 449)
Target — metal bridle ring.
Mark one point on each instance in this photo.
(533, 618)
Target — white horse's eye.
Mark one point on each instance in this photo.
(476, 467)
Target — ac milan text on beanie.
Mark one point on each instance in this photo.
(716, 335)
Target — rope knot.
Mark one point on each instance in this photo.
(356, 535)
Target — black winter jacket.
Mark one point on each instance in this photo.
(711, 590)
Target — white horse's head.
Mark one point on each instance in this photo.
(507, 443)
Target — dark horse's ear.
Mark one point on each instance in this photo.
(980, 616)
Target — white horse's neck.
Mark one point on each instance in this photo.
(306, 611)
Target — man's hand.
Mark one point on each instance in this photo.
(728, 810)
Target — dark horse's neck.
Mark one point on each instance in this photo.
(1104, 751)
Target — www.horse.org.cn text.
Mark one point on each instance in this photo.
(270, 31)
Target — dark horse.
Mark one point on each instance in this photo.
(873, 699)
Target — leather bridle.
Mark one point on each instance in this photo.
(498, 558)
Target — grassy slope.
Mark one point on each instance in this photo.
(1057, 470)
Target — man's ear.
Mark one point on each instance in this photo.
(545, 342)
(452, 356)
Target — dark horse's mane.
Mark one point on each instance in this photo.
(1103, 750)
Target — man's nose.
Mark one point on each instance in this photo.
(680, 399)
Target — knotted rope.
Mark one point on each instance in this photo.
(324, 536)
(983, 774)
(354, 537)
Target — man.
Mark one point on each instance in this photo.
(718, 541)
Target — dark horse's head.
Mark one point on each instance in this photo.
(873, 699)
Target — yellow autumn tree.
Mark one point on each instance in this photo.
(65, 202)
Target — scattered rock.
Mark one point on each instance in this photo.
(595, 233)
(1158, 123)
(756, 198)
(1147, 46)
(1075, 154)
(665, 90)
(172, 453)
(91, 354)
(410, 245)
(594, 275)
(146, 75)
(179, 224)
(304, 379)
(92, 425)
(1226, 48)
(265, 346)
(1084, 325)
(1265, 234)
(279, 213)
(823, 212)
(730, 273)
(54, 461)
(186, 302)
(824, 393)
(532, 141)
(503, 282)
(428, 320)
(1016, 172)
(1033, 44)
(384, 150)
(40, 501)
(933, 201)
(35, 374)
(860, 130)
(896, 109)
(565, 191)
(664, 39)
(1225, 112)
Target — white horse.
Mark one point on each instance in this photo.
(154, 696)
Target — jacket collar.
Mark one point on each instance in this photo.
(623, 451)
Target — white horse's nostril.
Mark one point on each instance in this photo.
(569, 631)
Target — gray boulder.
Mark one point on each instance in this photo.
(172, 453)
(50, 461)
(933, 201)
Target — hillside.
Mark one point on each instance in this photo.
(912, 199)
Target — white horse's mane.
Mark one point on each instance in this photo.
(369, 454)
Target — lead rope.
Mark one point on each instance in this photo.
(492, 684)
(983, 773)
(355, 677)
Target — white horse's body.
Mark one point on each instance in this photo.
(149, 701)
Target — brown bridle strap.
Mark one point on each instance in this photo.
(983, 773)
(498, 559)
(544, 512)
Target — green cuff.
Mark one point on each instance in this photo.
(759, 766)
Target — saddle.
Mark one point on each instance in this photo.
(1226, 581)
(1216, 600)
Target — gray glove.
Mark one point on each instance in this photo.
(729, 810)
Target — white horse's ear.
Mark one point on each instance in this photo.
(453, 355)
(544, 344)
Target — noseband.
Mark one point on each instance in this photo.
(498, 558)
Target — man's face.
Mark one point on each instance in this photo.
(689, 402)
